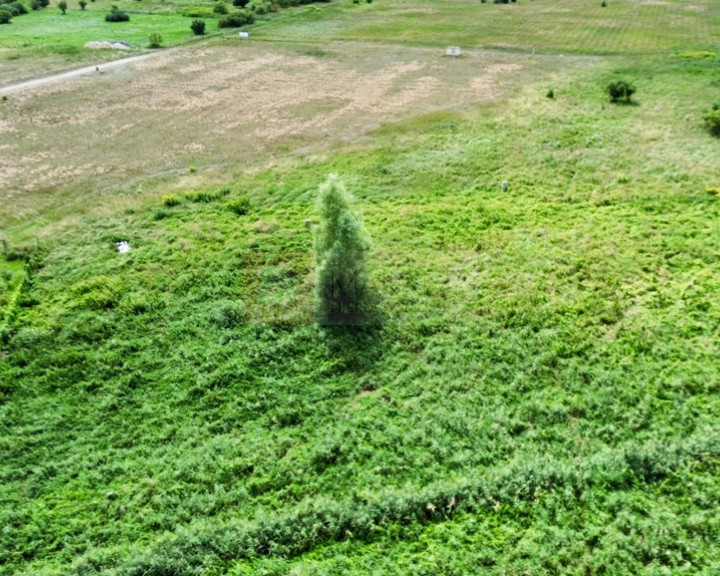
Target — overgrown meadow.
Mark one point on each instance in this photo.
(539, 397)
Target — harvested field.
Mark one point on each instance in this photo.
(214, 107)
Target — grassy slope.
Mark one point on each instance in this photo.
(542, 398)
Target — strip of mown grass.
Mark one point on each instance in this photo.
(546, 370)
(568, 26)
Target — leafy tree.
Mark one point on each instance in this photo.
(198, 27)
(620, 90)
(82, 4)
(342, 291)
(63, 6)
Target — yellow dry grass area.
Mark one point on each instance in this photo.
(220, 107)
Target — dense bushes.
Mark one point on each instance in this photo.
(15, 8)
(620, 91)
(5, 15)
(116, 15)
(236, 20)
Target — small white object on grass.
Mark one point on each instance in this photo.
(123, 247)
(453, 51)
(244, 34)
(504, 185)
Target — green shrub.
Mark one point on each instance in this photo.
(171, 200)
(236, 20)
(198, 27)
(63, 6)
(550, 93)
(116, 15)
(5, 15)
(620, 91)
(155, 40)
(83, 4)
(240, 206)
(220, 8)
(712, 121)
(240, 3)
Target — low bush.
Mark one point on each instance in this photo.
(155, 40)
(63, 6)
(712, 121)
(620, 91)
(240, 3)
(117, 15)
(5, 15)
(171, 200)
(220, 8)
(240, 206)
(236, 20)
(198, 27)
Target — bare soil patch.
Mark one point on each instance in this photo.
(220, 106)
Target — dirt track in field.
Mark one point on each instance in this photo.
(214, 107)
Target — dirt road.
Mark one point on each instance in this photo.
(93, 69)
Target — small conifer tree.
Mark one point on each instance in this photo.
(342, 291)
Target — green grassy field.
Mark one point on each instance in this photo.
(541, 397)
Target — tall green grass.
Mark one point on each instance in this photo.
(542, 395)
